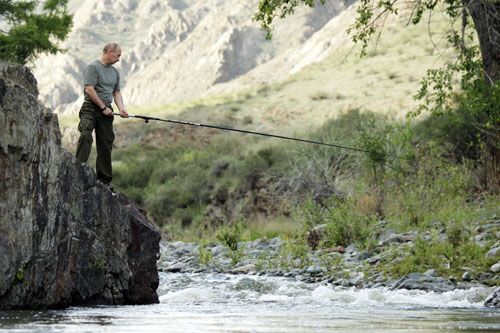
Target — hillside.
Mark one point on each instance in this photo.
(174, 50)
(177, 51)
(384, 82)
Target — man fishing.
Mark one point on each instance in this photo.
(101, 87)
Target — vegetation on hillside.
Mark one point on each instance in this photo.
(472, 34)
(429, 174)
(424, 176)
(435, 175)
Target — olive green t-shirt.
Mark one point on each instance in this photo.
(104, 78)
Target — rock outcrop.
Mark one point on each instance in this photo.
(64, 238)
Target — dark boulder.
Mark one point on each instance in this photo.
(426, 282)
(65, 239)
(493, 301)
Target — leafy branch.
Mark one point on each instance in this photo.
(33, 28)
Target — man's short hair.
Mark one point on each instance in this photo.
(110, 47)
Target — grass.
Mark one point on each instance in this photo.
(268, 228)
(446, 257)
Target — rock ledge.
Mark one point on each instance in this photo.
(64, 238)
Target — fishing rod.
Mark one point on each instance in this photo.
(223, 128)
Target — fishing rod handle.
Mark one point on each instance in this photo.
(146, 119)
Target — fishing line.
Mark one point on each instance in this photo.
(223, 128)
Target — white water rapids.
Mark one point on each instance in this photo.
(240, 303)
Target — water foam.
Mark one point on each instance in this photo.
(221, 288)
(470, 298)
(191, 295)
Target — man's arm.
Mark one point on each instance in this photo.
(117, 96)
(90, 91)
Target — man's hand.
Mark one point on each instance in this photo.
(107, 112)
(123, 113)
(117, 95)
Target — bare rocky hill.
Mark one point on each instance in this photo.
(182, 49)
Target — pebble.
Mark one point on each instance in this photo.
(493, 252)
(246, 269)
(176, 268)
(314, 270)
(495, 268)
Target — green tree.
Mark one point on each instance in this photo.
(33, 27)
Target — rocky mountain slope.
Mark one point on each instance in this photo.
(183, 49)
(64, 238)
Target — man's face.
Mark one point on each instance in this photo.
(114, 56)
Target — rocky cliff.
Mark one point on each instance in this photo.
(64, 238)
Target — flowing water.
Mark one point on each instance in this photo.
(242, 303)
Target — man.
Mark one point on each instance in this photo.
(101, 87)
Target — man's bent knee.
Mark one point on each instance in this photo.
(86, 137)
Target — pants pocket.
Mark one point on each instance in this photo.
(86, 125)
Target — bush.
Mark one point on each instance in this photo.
(314, 171)
(470, 130)
(320, 95)
(230, 236)
(204, 255)
(293, 253)
(345, 224)
(426, 191)
(447, 258)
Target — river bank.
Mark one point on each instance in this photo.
(339, 266)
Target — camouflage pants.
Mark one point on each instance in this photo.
(92, 118)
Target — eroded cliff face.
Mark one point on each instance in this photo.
(64, 238)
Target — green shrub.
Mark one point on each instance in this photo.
(346, 225)
(427, 191)
(445, 257)
(470, 129)
(235, 256)
(205, 256)
(294, 252)
(230, 236)
(311, 213)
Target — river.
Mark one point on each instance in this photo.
(211, 302)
